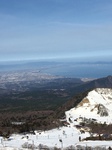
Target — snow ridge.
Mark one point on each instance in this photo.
(97, 105)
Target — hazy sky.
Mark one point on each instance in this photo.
(40, 29)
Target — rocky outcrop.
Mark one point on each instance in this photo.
(102, 110)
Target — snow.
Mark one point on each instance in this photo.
(87, 108)
(68, 135)
(50, 138)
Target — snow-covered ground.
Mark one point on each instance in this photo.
(69, 136)
(51, 138)
(66, 136)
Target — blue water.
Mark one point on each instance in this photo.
(82, 71)
(65, 69)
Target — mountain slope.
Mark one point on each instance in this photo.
(105, 82)
(96, 105)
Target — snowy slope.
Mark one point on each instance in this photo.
(97, 105)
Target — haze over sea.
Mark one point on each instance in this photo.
(65, 68)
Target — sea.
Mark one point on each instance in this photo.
(64, 69)
(81, 70)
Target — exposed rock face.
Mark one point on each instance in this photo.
(102, 110)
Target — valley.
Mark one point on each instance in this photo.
(31, 90)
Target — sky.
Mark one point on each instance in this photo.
(56, 29)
